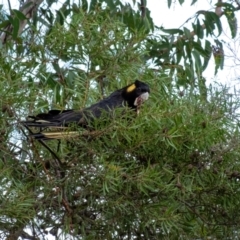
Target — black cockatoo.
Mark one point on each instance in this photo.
(131, 96)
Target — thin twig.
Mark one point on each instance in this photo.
(237, 2)
(192, 33)
(9, 6)
(143, 8)
(46, 146)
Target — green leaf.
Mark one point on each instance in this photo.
(15, 23)
(181, 1)
(199, 30)
(19, 15)
(193, 2)
(48, 15)
(93, 4)
(187, 32)
(56, 67)
(189, 73)
(188, 48)
(212, 18)
(216, 18)
(208, 51)
(169, 3)
(232, 21)
(70, 79)
(85, 5)
(49, 80)
(179, 52)
(20, 49)
(179, 57)
(198, 63)
(60, 17)
(209, 23)
(150, 20)
(198, 47)
(202, 87)
(113, 4)
(172, 31)
(169, 142)
(43, 21)
(4, 24)
(57, 97)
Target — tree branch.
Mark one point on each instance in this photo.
(218, 11)
(9, 6)
(27, 9)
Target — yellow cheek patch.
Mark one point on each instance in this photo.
(131, 88)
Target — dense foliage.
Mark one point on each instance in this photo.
(172, 172)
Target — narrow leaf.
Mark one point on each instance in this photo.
(199, 30)
(198, 47)
(84, 5)
(216, 19)
(198, 63)
(15, 24)
(93, 4)
(209, 23)
(232, 22)
(181, 1)
(56, 67)
(187, 32)
(213, 19)
(19, 15)
(193, 2)
(4, 24)
(60, 17)
(172, 31)
(169, 3)
(208, 51)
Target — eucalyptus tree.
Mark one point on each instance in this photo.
(170, 172)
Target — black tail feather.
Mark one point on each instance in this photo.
(41, 124)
